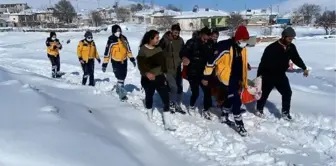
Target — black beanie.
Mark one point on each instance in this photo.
(288, 32)
(205, 31)
(115, 28)
(87, 34)
(52, 34)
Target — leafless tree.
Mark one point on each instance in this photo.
(296, 18)
(64, 11)
(309, 11)
(136, 7)
(96, 17)
(122, 13)
(235, 20)
(173, 8)
(327, 20)
(164, 22)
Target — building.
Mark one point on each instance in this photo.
(163, 17)
(13, 7)
(143, 16)
(259, 16)
(196, 19)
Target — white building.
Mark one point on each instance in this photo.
(259, 16)
(193, 20)
(13, 7)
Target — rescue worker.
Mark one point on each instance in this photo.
(152, 67)
(231, 67)
(53, 47)
(272, 68)
(195, 56)
(118, 49)
(172, 44)
(87, 53)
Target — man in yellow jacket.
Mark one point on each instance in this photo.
(87, 53)
(53, 47)
(231, 67)
(117, 50)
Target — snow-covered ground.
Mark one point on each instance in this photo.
(59, 122)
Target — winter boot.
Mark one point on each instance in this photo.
(286, 115)
(121, 92)
(207, 114)
(240, 125)
(58, 74)
(192, 110)
(149, 113)
(174, 107)
(259, 113)
(225, 117)
(166, 116)
(85, 77)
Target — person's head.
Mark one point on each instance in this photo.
(175, 29)
(151, 38)
(53, 35)
(168, 35)
(288, 36)
(116, 30)
(205, 34)
(214, 35)
(88, 36)
(195, 34)
(242, 36)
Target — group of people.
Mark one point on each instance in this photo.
(203, 60)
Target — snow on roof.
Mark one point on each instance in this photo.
(144, 13)
(166, 13)
(7, 2)
(202, 13)
(258, 12)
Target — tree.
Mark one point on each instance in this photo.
(64, 11)
(96, 18)
(136, 8)
(326, 21)
(309, 11)
(164, 22)
(173, 8)
(234, 20)
(122, 13)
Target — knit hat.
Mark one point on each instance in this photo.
(88, 34)
(288, 32)
(115, 28)
(205, 31)
(242, 33)
(52, 34)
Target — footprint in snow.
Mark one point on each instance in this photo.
(50, 109)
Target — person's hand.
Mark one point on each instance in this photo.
(306, 73)
(99, 60)
(186, 61)
(205, 82)
(82, 61)
(150, 76)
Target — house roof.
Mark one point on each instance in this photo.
(166, 13)
(259, 12)
(202, 13)
(144, 13)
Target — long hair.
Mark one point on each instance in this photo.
(150, 35)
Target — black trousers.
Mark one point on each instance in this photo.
(88, 70)
(195, 82)
(281, 83)
(233, 96)
(119, 69)
(160, 85)
(179, 79)
(55, 64)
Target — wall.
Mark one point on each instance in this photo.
(185, 24)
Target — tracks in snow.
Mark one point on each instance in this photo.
(270, 142)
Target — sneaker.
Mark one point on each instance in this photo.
(179, 109)
(225, 119)
(192, 110)
(241, 130)
(166, 116)
(207, 114)
(172, 107)
(287, 116)
(260, 113)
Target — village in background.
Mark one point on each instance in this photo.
(65, 16)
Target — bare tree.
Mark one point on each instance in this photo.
(327, 20)
(96, 17)
(164, 22)
(64, 11)
(122, 13)
(136, 7)
(309, 11)
(234, 20)
(173, 8)
(296, 18)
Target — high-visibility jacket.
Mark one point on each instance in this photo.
(52, 48)
(117, 49)
(87, 50)
(222, 63)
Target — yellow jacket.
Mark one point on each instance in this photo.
(222, 64)
(87, 50)
(52, 48)
(117, 49)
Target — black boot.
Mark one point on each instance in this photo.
(207, 114)
(240, 125)
(286, 115)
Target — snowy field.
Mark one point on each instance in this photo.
(48, 122)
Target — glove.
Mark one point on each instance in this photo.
(81, 61)
(98, 60)
(55, 47)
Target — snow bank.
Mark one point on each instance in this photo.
(276, 31)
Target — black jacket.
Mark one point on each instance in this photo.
(198, 53)
(275, 60)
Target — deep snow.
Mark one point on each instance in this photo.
(52, 124)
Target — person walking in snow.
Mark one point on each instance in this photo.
(172, 44)
(152, 66)
(196, 53)
(53, 47)
(231, 67)
(118, 49)
(87, 53)
(272, 68)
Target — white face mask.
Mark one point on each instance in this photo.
(89, 39)
(117, 34)
(242, 44)
(53, 38)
